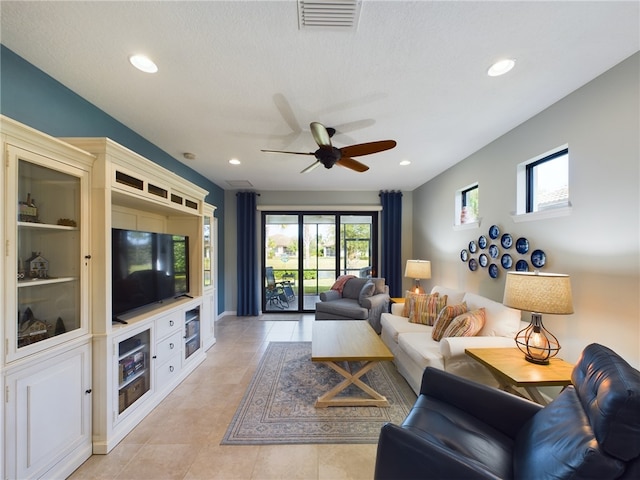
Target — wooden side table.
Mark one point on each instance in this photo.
(510, 369)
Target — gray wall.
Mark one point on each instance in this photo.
(597, 244)
(298, 201)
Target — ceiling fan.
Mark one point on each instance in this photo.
(328, 155)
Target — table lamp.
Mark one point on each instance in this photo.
(418, 270)
(538, 293)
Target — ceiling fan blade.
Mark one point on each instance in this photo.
(367, 148)
(311, 167)
(320, 135)
(353, 126)
(286, 112)
(293, 153)
(352, 164)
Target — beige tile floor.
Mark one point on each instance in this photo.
(181, 438)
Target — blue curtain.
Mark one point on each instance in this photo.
(247, 265)
(391, 268)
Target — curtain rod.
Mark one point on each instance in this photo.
(323, 208)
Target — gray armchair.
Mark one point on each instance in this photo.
(354, 303)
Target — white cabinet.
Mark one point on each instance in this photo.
(131, 192)
(208, 319)
(168, 356)
(48, 415)
(168, 361)
(133, 368)
(46, 352)
(209, 276)
(151, 355)
(46, 227)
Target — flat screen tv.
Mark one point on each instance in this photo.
(147, 268)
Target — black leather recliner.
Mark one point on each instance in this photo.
(462, 429)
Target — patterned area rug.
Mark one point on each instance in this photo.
(278, 407)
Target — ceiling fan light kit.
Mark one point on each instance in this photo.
(328, 155)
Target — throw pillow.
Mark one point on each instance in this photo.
(380, 285)
(447, 314)
(366, 291)
(466, 325)
(407, 302)
(424, 309)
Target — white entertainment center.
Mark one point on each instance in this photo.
(76, 382)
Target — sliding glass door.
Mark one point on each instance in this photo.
(319, 262)
(304, 253)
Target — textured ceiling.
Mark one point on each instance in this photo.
(236, 77)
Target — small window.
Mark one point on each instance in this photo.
(467, 210)
(543, 182)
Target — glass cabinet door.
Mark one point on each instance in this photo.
(48, 261)
(206, 264)
(134, 374)
(191, 332)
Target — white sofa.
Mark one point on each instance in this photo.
(414, 349)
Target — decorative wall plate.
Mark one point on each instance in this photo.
(464, 256)
(473, 248)
(506, 261)
(538, 258)
(482, 242)
(522, 266)
(493, 270)
(473, 265)
(493, 251)
(506, 241)
(494, 231)
(484, 260)
(522, 245)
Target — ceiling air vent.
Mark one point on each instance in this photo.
(239, 183)
(333, 14)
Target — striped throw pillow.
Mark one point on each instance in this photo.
(424, 309)
(466, 325)
(447, 314)
(407, 302)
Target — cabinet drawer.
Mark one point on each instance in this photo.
(165, 325)
(168, 347)
(167, 372)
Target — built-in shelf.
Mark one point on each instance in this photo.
(45, 226)
(34, 282)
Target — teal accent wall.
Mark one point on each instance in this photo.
(32, 97)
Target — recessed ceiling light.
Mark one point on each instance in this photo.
(405, 162)
(234, 161)
(189, 155)
(501, 67)
(143, 63)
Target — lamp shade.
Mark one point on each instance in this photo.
(418, 269)
(538, 292)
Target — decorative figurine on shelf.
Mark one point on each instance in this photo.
(67, 222)
(20, 270)
(30, 329)
(37, 266)
(27, 211)
(60, 328)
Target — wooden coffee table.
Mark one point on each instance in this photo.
(510, 369)
(336, 342)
